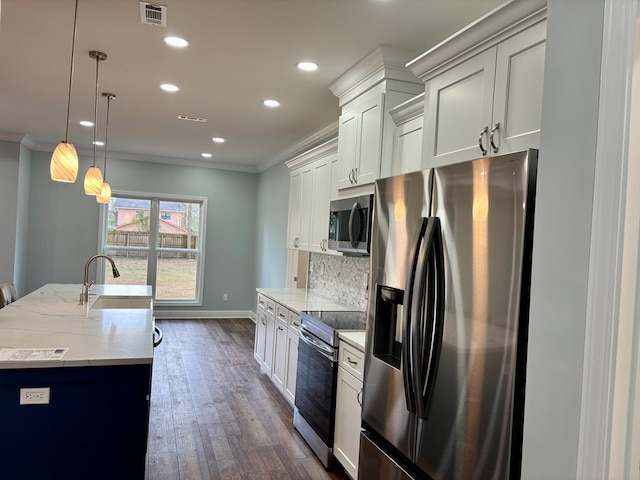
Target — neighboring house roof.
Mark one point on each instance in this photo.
(144, 204)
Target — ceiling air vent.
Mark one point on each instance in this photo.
(153, 14)
(191, 118)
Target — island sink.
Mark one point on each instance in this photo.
(104, 302)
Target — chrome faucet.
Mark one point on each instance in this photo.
(84, 296)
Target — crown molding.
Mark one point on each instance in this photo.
(26, 140)
(328, 148)
(384, 63)
(412, 108)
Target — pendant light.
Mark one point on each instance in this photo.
(64, 161)
(105, 193)
(93, 178)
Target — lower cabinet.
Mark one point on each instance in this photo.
(346, 444)
(276, 344)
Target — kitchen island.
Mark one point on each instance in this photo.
(75, 383)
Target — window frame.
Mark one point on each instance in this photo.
(153, 249)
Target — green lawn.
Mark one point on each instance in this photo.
(176, 278)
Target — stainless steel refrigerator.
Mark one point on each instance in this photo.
(447, 321)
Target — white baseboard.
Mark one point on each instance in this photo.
(203, 314)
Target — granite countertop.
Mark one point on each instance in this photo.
(301, 299)
(51, 317)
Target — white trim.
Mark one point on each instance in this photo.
(607, 236)
(203, 314)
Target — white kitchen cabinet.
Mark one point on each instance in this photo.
(309, 197)
(299, 207)
(489, 104)
(279, 354)
(276, 344)
(346, 444)
(360, 141)
(292, 358)
(407, 137)
(321, 198)
(367, 92)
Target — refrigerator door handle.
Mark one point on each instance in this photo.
(408, 373)
(428, 333)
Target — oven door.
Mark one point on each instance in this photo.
(316, 383)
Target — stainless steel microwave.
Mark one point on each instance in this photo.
(350, 225)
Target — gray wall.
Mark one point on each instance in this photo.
(22, 221)
(9, 176)
(562, 239)
(63, 224)
(272, 217)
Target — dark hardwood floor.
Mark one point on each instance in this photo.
(214, 416)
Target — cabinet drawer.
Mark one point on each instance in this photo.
(282, 313)
(262, 301)
(294, 321)
(351, 359)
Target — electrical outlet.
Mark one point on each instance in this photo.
(225, 297)
(34, 396)
(321, 272)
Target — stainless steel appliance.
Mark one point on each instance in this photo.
(350, 225)
(316, 377)
(447, 321)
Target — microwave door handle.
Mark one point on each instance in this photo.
(355, 207)
(407, 368)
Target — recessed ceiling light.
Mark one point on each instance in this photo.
(308, 66)
(99, 143)
(218, 139)
(206, 155)
(175, 42)
(167, 87)
(86, 123)
(271, 103)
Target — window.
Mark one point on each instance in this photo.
(156, 240)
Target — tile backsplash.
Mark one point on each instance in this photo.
(343, 279)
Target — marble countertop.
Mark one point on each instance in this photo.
(356, 338)
(51, 317)
(300, 299)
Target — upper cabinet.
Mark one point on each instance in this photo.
(309, 198)
(407, 138)
(483, 86)
(367, 92)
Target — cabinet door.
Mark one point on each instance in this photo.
(261, 331)
(300, 193)
(295, 195)
(517, 103)
(407, 147)
(292, 366)
(346, 443)
(279, 354)
(267, 361)
(319, 217)
(369, 139)
(460, 103)
(347, 147)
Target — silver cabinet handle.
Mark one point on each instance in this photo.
(484, 131)
(351, 177)
(359, 397)
(296, 324)
(280, 328)
(352, 362)
(355, 175)
(495, 128)
(263, 320)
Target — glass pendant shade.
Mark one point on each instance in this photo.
(93, 181)
(64, 163)
(105, 193)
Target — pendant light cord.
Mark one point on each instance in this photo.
(73, 49)
(106, 132)
(95, 113)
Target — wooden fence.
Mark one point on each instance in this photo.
(141, 239)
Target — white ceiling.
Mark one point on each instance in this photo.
(241, 52)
